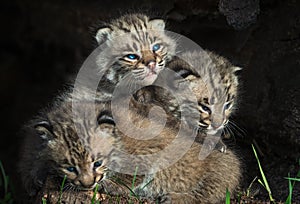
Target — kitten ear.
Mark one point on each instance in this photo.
(44, 129)
(106, 122)
(236, 69)
(157, 24)
(105, 117)
(102, 35)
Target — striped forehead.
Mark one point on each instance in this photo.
(130, 24)
(80, 152)
(137, 30)
(217, 95)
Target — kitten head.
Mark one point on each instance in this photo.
(213, 81)
(76, 147)
(136, 44)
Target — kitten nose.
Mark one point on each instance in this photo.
(151, 65)
(215, 125)
(87, 182)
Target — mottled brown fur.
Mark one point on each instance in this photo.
(189, 180)
(63, 138)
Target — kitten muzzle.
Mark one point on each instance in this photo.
(152, 65)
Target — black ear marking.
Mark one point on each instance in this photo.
(43, 124)
(184, 73)
(43, 128)
(105, 117)
(236, 69)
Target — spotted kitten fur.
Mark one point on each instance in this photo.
(67, 142)
(210, 90)
(132, 45)
(188, 180)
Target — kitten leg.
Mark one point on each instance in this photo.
(144, 95)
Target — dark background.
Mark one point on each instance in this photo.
(44, 43)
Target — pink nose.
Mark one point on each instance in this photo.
(151, 65)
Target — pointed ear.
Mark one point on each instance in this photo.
(106, 122)
(103, 34)
(157, 24)
(236, 69)
(44, 130)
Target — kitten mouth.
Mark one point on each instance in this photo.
(151, 73)
(89, 188)
(150, 77)
(214, 131)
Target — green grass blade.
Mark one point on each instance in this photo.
(261, 183)
(134, 178)
(147, 184)
(293, 179)
(289, 198)
(132, 193)
(291, 186)
(227, 196)
(5, 178)
(61, 188)
(44, 201)
(250, 186)
(266, 185)
(95, 193)
(124, 184)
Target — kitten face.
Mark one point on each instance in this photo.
(84, 175)
(215, 87)
(76, 147)
(214, 115)
(137, 45)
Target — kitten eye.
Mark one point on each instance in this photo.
(132, 56)
(98, 163)
(72, 169)
(205, 108)
(155, 47)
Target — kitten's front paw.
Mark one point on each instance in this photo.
(140, 192)
(221, 146)
(143, 95)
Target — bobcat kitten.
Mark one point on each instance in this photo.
(188, 180)
(210, 79)
(65, 142)
(214, 82)
(132, 45)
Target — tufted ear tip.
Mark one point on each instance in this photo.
(103, 34)
(157, 24)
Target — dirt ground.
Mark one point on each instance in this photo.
(43, 44)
